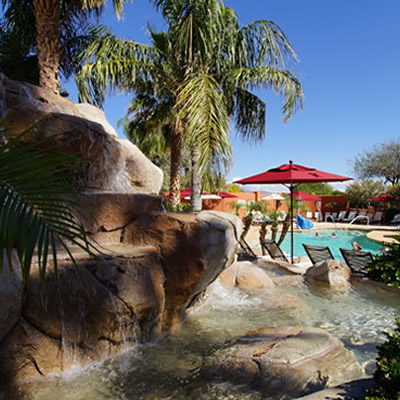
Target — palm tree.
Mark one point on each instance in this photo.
(50, 18)
(206, 64)
(39, 203)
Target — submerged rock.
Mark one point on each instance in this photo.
(285, 360)
(245, 274)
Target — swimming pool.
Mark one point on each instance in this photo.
(344, 240)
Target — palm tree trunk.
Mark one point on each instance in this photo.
(48, 31)
(274, 232)
(175, 171)
(263, 234)
(285, 229)
(247, 224)
(196, 201)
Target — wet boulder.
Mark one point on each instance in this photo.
(284, 360)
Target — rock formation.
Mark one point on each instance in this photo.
(113, 164)
(290, 361)
(331, 272)
(163, 263)
(154, 264)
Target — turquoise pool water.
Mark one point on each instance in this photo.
(344, 240)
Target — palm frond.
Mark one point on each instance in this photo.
(281, 81)
(37, 214)
(201, 105)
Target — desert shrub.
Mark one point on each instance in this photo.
(387, 375)
(386, 266)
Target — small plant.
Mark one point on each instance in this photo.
(387, 375)
(386, 266)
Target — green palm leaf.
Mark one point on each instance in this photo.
(38, 213)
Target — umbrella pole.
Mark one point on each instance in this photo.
(291, 221)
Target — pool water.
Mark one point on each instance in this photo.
(344, 240)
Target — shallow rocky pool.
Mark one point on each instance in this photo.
(171, 369)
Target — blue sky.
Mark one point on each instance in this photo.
(349, 52)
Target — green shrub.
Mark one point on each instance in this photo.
(386, 266)
(387, 375)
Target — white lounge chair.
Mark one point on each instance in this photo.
(377, 217)
(316, 216)
(395, 220)
(308, 214)
(334, 215)
(351, 216)
(341, 215)
(370, 217)
(327, 214)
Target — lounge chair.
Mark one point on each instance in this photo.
(370, 217)
(327, 214)
(377, 218)
(334, 215)
(274, 250)
(308, 214)
(318, 253)
(316, 215)
(245, 253)
(357, 260)
(395, 220)
(351, 216)
(277, 254)
(341, 216)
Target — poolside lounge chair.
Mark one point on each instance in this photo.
(341, 216)
(309, 215)
(274, 250)
(277, 254)
(318, 253)
(395, 220)
(245, 253)
(377, 218)
(327, 214)
(357, 260)
(316, 216)
(351, 216)
(334, 215)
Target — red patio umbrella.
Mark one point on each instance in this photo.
(226, 195)
(290, 175)
(383, 197)
(305, 196)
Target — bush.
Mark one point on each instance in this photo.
(387, 375)
(386, 266)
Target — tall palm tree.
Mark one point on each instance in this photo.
(50, 18)
(207, 65)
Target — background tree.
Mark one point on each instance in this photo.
(316, 188)
(51, 20)
(208, 64)
(381, 162)
(360, 193)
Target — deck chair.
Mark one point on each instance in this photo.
(327, 214)
(341, 216)
(318, 253)
(274, 250)
(245, 253)
(351, 216)
(395, 220)
(357, 260)
(377, 218)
